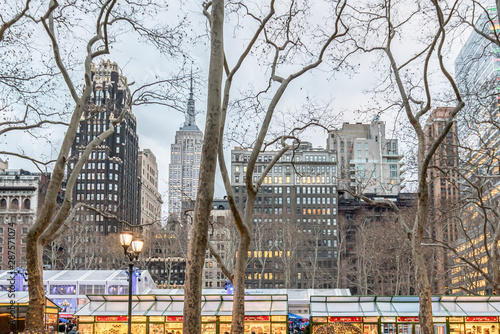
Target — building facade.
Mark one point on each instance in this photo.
(368, 161)
(150, 196)
(166, 253)
(20, 193)
(223, 237)
(375, 257)
(185, 158)
(444, 194)
(295, 218)
(477, 74)
(109, 180)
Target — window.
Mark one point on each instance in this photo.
(63, 290)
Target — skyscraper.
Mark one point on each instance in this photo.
(185, 158)
(109, 179)
(368, 161)
(477, 75)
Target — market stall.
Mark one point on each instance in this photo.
(162, 314)
(399, 314)
(14, 305)
(264, 314)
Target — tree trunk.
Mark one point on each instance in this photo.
(35, 286)
(238, 322)
(204, 197)
(423, 285)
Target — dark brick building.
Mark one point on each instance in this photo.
(109, 180)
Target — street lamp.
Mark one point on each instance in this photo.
(127, 241)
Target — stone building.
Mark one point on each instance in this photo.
(20, 194)
(444, 194)
(223, 238)
(295, 218)
(150, 197)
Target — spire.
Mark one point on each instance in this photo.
(190, 114)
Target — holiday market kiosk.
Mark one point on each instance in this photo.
(162, 314)
(13, 308)
(399, 314)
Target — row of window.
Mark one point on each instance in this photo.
(287, 158)
(288, 169)
(15, 204)
(100, 176)
(99, 186)
(288, 179)
(98, 197)
(314, 200)
(298, 189)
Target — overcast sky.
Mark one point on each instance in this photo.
(157, 124)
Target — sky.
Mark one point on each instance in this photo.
(346, 92)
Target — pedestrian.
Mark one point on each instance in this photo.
(51, 330)
(62, 327)
(72, 330)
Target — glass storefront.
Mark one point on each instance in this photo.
(399, 314)
(162, 314)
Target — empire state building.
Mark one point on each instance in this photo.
(185, 158)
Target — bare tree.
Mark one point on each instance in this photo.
(51, 218)
(415, 100)
(281, 39)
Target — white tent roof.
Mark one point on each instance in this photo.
(173, 304)
(403, 306)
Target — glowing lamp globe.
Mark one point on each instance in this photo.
(137, 245)
(126, 238)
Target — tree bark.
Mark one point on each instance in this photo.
(238, 323)
(204, 196)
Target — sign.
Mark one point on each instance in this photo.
(169, 319)
(483, 319)
(257, 318)
(407, 319)
(119, 318)
(345, 319)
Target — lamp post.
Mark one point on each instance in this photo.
(127, 241)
